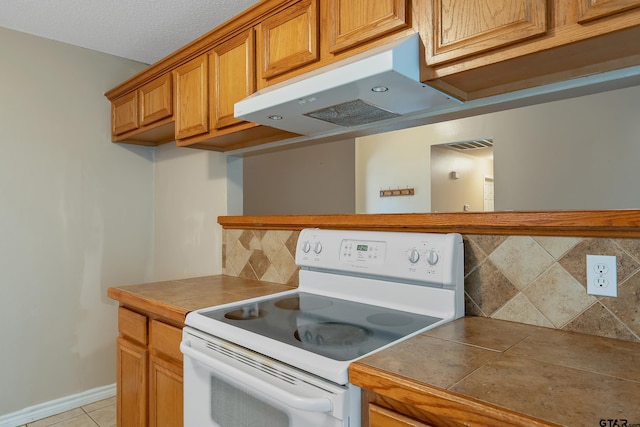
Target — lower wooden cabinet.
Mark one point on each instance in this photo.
(165, 393)
(149, 372)
(132, 371)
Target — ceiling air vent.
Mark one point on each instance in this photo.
(471, 145)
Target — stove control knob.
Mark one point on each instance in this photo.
(306, 247)
(317, 248)
(414, 256)
(432, 258)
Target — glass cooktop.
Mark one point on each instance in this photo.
(335, 328)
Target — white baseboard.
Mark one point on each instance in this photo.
(57, 406)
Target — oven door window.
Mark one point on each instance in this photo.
(231, 406)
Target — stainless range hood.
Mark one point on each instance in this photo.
(352, 94)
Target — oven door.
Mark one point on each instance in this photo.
(226, 385)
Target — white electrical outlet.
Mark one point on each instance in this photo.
(602, 275)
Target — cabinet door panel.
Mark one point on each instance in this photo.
(124, 114)
(353, 22)
(232, 77)
(467, 27)
(156, 100)
(165, 394)
(289, 39)
(192, 113)
(590, 10)
(132, 368)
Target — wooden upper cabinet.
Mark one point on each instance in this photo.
(156, 100)
(191, 91)
(590, 10)
(353, 22)
(145, 115)
(124, 114)
(466, 27)
(289, 39)
(232, 66)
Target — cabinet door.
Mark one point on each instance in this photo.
(289, 39)
(353, 22)
(191, 90)
(590, 10)
(124, 114)
(165, 393)
(156, 100)
(132, 369)
(381, 417)
(232, 77)
(467, 27)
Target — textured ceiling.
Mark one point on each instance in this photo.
(143, 30)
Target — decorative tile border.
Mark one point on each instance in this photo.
(527, 279)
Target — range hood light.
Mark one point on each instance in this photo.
(276, 117)
(379, 89)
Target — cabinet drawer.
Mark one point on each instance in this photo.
(381, 417)
(132, 325)
(166, 339)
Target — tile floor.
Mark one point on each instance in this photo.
(98, 414)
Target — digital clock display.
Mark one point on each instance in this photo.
(362, 248)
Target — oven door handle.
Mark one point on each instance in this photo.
(236, 376)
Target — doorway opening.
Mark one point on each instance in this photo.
(462, 176)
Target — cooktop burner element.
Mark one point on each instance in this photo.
(246, 312)
(358, 292)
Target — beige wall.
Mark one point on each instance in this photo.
(190, 193)
(317, 179)
(75, 218)
(578, 153)
(79, 214)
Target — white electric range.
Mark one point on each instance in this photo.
(282, 359)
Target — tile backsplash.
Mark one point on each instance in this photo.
(536, 280)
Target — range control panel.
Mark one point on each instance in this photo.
(421, 257)
(363, 251)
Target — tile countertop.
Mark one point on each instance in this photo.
(481, 371)
(173, 299)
